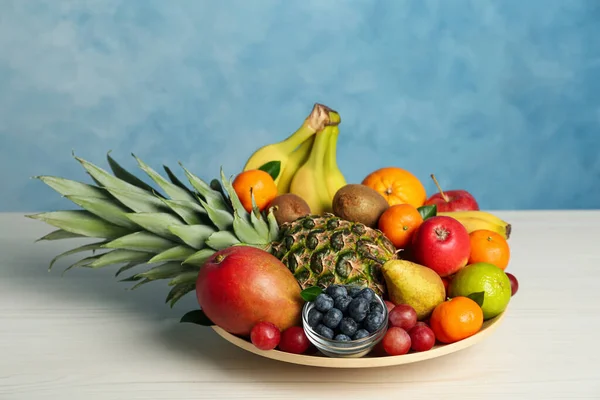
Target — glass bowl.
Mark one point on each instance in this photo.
(352, 348)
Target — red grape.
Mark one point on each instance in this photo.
(389, 305)
(422, 337)
(265, 335)
(514, 283)
(403, 316)
(294, 340)
(396, 341)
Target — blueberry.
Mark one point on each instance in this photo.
(314, 317)
(353, 291)
(324, 331)
(361, 333)
(341, 303)
(367, 293)
(323, 303)
(342, 338)
(336, 290)
(376, 307)
(357, 309)
(332, 318)
(348, 326)
(373, 322)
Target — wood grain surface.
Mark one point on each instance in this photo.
(84, 336)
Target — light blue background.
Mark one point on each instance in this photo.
(498, 97)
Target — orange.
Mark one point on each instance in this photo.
(456, 319)
(489, 247)
(397, 185)
(258, 183)
(398, 223)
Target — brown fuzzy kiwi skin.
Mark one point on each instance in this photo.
(359, 203)
(288, 207)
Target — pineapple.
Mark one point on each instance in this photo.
(325, 250)
(176, 232)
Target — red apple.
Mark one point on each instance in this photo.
(452, 200)
(442, 244)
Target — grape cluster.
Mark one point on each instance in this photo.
(345, 313)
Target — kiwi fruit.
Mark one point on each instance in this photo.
(359, 203)
(288, 208)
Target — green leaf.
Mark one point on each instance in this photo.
(178, 291)
(127, 176)
(127, 267)
(197, 317)
(477, 297)
(273, 226)
(175, 180)
(172, 190)
(233, 197)
(67, 187)
(212, 197)
(199, 257)
(135, 198)
(311, 293)
(189, 277)
(258, 222)
(177, 253)
(81, 263)
(138, 201)
(187, 210)
(85, 247)
(220, 217)
(157, 223)
(221, 240)
(272, 168)
(164, 271)
(142, 241)
(105, 209)
(216, 186)
(120, 256)
(193, 235)
(428, 211)
(81, 222)
(245, 231)
(60, 234)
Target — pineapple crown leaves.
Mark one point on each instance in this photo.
(173, 234)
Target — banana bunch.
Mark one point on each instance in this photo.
(308, 165)
(474, 220)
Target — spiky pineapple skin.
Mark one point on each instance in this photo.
(321, 250)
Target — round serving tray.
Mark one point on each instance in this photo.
(369, 361)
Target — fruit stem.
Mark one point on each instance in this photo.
(316, 121)
(446, 199)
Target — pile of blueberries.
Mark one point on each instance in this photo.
(345, 313)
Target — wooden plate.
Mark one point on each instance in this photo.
(368, 361)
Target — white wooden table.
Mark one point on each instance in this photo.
(84, 336)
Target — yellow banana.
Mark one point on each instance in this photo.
(475, 223)
(309, 181)
(333, 176)
(281, 151)
(295, 161)
(476, 214)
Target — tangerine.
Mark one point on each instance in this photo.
(255, 182)
(397, 185)
(489, 247)
(398, 223)
(456, 319)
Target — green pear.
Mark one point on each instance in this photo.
(413, 284)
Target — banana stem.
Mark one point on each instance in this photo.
(440, 188)
(316, 121)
